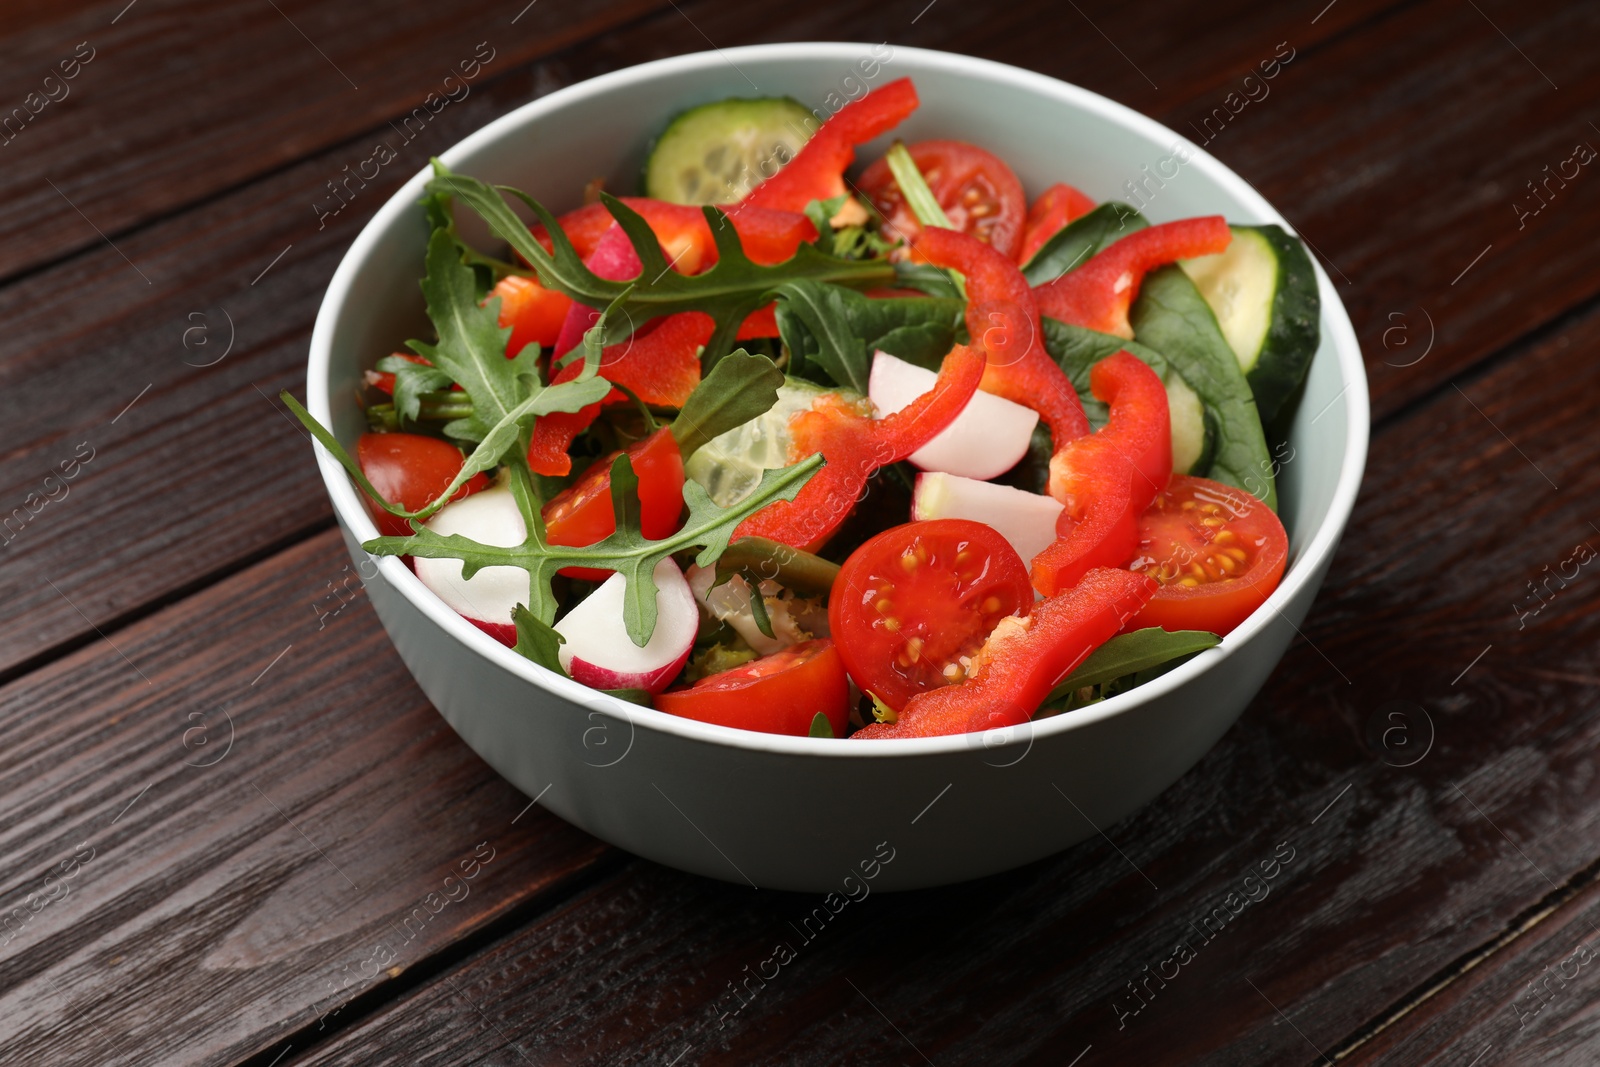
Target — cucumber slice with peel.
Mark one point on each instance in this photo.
(718, 152)
(1263, 292)
(729, 465)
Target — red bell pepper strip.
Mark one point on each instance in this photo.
(767, 237)
(534, 313)
(854, 446)
(583, 514)
(1098, 294)
(1003, 318)
(1056, 206)
(661, 365)
(1107, 479)
(1023, 660)
(817, 171)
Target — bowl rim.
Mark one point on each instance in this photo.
(353, 516)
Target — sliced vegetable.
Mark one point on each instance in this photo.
(1023, 660)
(487, 598)
(584, 514)
(410, 471)
(1263, 291)
(1003, 320)
(1108, 478)
(598, 651)
(915, 603)
(817, 170)
(979, 194)
(1097, 294)
(1056, 207)
(778, 694)
(716, 153)
(1026, 520)
(855, 446)
(1077, 350)
(533, 313)
(1172, 317)
(985, 440)
(1216, 551)
(730, 465)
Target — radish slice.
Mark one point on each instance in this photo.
(1027, 520)
(988, 438)
(598, 651)
(487, 599)
(612, 258)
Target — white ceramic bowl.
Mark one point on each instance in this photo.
(803, 813)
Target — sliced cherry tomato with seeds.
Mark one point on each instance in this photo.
(1216, 551)
(980, 195)
(912, 605)
(777, 694)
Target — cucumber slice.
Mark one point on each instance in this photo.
(1263, 292)
(729, 465)
(1173, 318)
(1187, 413)
(716, 153)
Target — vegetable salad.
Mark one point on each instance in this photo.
(874, 454)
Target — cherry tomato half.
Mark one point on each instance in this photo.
(776, 694)
(409, 469)
(979, 193)
(582, 514)
(1217, 552)
(913, 604)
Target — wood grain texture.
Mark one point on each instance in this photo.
(182, 100)
(269, 820)
(1385, 767)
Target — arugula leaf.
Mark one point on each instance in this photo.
(1081, 239)
(626, 551)
(730, 290)
(1131, 653)
(486, 270)
(1172, 317)
(820, 726)
(538, 640)
(507, 394)
(925, 277)
(837, 330)
(411, 382)
(739, 388)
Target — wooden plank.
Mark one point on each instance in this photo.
(1388, 753)
(179, 101)
(248, 269)
(260, 816)
(1404, 153)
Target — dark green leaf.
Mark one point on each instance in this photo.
(1131, 653)
(640, 697)
(837, 330)
(1077, 350)
(1078, 241)
(739, 388)
(1172, 317)
(538, 640)
(820, 726)
(925, 277)
(758, 607)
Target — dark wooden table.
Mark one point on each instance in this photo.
(227, 815)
